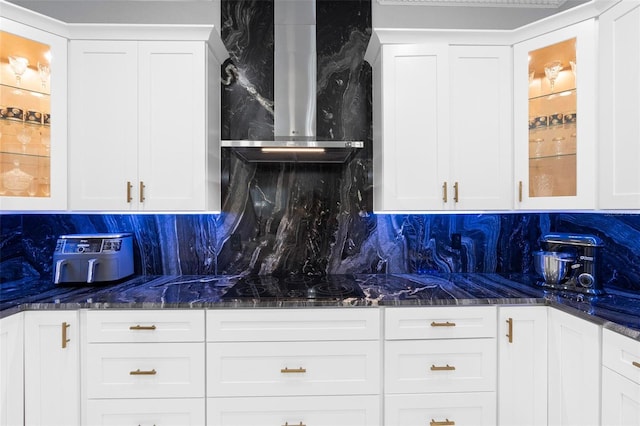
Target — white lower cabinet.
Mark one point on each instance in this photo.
(11, 368)
(295, 410)
(620, 380)
(146, 412)
(440, 366)
(444, 409)
(574, 370)
(294, 367)
(522, 365)
(144, 367)
(51, 373)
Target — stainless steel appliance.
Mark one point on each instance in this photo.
(92, 258)
(570, 262)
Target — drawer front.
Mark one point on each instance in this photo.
(159, 412)
(294, 411)
(459, 409)
(293, 368)
(466, 365)
(262, 325)
(621, 354)
(150, 370)
(440, 322)
(132, 326)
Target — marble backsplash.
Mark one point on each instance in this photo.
(315, 241)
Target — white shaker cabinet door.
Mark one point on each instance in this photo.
(620, 400)
(51, 368)
(574, 370)
(103, 124)
(619, 109)
(522, 365)
(480, 128)
(410, 116)
(11, 368)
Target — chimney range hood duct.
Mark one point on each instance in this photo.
(294, 95)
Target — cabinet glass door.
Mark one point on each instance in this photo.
(553, 146)
(25, 117)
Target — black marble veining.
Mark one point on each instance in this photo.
(617, 311)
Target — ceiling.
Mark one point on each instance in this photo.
(485, 14)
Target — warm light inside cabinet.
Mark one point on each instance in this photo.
(25, 117)
(553, 118)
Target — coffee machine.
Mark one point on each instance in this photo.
(570, 262)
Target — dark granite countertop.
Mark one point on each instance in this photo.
(616, 311)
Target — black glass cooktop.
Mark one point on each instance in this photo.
(295, 287)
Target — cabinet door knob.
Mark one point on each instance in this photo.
(444, 192)
(520, 191)
(142, 187)
(455, 192)
(297, 424)
(636, 363)
(142, 327)
(510, 331)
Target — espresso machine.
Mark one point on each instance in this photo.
(570, 262)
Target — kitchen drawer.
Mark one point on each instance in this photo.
(261, 325)
(293, 368)
(440, 322)
(459, 409)
(294, 411)
(465, 365)
(146, 412)
(145, 326)
(621, 354)
(145, 370)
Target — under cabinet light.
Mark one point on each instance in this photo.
(300, 150)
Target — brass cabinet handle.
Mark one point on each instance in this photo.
(142, 327)
(446, 422)
(442, 368)
(139, 372)
(65, 325)
(510, 331)
(444, 192)
(443, 324)
(636, 363)
(293, 370)
(129, 186)
(142, 187)
(455, 192)
(520, 191)
(298, 424)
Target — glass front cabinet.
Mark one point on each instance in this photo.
(554, 112)
(33, 86)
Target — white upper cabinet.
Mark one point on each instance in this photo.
(139, 134)
(33, 112)
(555, 119)
(442, 126)
(619, 112)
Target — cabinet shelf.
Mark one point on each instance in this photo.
(26, 154)
(556, 156)
(555, 95)
(16, 88)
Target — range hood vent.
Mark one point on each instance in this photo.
(294, 95)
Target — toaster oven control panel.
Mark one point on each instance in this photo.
(92, 245)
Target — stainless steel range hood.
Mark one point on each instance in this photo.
(294, 95)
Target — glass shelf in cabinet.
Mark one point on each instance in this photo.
(22, 89)
(549, 96)
(26, 154)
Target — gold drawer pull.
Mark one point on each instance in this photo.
(636, 363)
(443, 324)
(299, 424)
(446, 422)
(139, 372)
(142, 327)
(293, 370)
(441, 368)
(65, 325)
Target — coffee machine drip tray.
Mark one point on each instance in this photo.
(305, 287)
